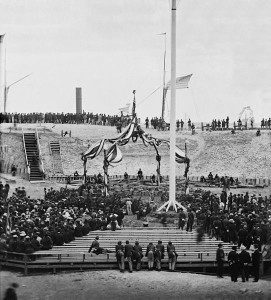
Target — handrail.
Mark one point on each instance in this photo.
(38, 144)
(26, 159)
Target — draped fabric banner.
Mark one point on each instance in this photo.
(113, 155)
(94, 150)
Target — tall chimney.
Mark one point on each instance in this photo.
(2, 73)
(78, 100)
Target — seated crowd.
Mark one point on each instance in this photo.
(223, 181)
(65, 214)
(59, 218)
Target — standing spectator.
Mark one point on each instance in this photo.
(190, 221)
(256, 258)
(244, 260)
(129, 207)
(147, 123)
(220, 257)
(182, 218)
(120, 256)
(233, 263)
(150, 255)
(159, 255)
(172, 256)
(128, 254)
(140, 174)
(137, 255)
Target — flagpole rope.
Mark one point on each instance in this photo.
(149, 95)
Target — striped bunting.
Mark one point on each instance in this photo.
(124, 137)
(94, 150)
(114, 155)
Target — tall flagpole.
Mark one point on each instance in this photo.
(2, 72)
(172, 177)
(164, 79)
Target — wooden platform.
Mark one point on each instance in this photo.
(74, 255)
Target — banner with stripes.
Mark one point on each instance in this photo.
(94, 150)
(114, 155)
(181, 82)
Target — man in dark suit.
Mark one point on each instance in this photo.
(128, 253)
(244, 260)
(233, 260)
(256, 258)
(220, 257)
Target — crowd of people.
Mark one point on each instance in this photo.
(266, 123)
(134, 254)
(239, 263)
(28, 225)
(39, 224)
(68, 118)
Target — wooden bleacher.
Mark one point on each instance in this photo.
(75, 254)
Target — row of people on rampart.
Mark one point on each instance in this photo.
(68, 118)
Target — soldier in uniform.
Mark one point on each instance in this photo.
(150, 255)
(159, 254)
(137, 255)
(128, 253)
(172, 256)
(120, 256)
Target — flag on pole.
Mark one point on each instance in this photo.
(181, 82)
(125, 109)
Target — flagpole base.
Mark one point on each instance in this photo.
(170, 203)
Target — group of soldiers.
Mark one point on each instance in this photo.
(133, 254)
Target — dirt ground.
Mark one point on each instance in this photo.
(111, 284)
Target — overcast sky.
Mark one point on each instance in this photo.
(109, 48)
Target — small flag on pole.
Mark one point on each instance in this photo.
(125, 109)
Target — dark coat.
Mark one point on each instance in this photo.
(244, 257)
(256, 258)
(220, 255)
(128, 250)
